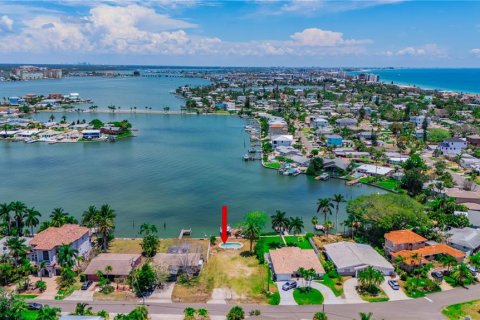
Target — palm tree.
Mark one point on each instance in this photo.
(148, 229)
(279, 221)
(19, 209)
(67, 255)
(461, 274)
(366, 316)
(48, 313)
(251, 231)
(327, 226)
(5, 211)
(17, 247)
(58, 217)
(449, 261)
(41, 268)
(325, 206)
(296, 225)
(82, 309)
(314, 222)
(90, 217)
(106, 224)
(337, 198)
(31, 220)
(370, 278)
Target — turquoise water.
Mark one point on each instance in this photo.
(179, 170)
(461, 80)
(124, 92)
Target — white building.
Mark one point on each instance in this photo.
(452, 146)
(282, 140)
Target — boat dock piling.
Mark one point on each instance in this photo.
(185, 232)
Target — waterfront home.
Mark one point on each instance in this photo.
(121, 263)
(284, 267)
(452, 146)
(282, 140)
(334, 140)
(288, 151)
(5, 250)
(350, 257)
(346, 122)
(176, 263)
(349, 153)
(46, 243)
(90, 134)
(374, 170)
(396, 158)
(420, 257)
(466, 239)
(300, 160)
(399, 240)
(25, 134)
(112, 130)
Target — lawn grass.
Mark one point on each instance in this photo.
(380, 297)
(312, 296)
(263, 246)
(133, 245)
(273, 165)
(300, 241)
(424, 287)
(461, 310)
(123, 245)
(27, 296)
(29, 315)
(336, 285)
(388, 183)
(243, 276)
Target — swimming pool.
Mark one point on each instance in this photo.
(231, 245)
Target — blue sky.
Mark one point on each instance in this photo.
(242, 33)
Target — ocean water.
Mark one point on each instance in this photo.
(125, 92)
(178, 171)
(460, 80)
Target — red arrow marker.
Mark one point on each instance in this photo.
(224, 223)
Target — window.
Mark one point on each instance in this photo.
(45, 255)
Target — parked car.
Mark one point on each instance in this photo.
(289, 285)
(393, 284)
(86, 284)
(35, 306)
(437, 275)
(472, 270)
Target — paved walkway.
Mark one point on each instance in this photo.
(350, 293)
(393, 295)
(328, 295)
(162, 295)
(286, 297)
(51, 291)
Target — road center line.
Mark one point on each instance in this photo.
(429, 300)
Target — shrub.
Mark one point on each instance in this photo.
(236, 313)
(83, 277)
(274, 299)
(41, 285)
(107, 289)
(320, 316)
(213, 240)
(254, 313)
(403, 277)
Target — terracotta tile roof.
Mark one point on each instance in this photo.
(289, 259)
(428, 251)
(53, 237)
(404, 236)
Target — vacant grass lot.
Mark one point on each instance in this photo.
(131, 245)
(461, 310)
(243, 277)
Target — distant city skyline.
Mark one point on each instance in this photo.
(307, 33)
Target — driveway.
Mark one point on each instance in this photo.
(393, 295)
(350, 293)
(51, 291)
(81, 295)
(328, 295)
(286, 297)
(162, 295)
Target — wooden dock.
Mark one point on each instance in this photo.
(185, 232)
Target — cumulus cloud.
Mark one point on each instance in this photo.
(431, 50)
(475, 51)
(6, 24)
(135, 29)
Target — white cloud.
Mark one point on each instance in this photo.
(429, 50)
(475, 51)
(6, 24)
(326, 38)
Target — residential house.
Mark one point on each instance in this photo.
(121, 264)
(474, 140)
(176, 263)
(418, 120)
(284, 267)
(346, 122)
(46, 243)
(112, 130)
(374, 170)
(91, 134)
(282, 140)
(399, 240)
(452, 146)
(463, 196)
(318, 122)
(350, 257)
(334, 140)
(466, 239)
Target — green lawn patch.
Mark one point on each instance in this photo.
(272, 165)
(421, 288)
(390, 184)
(461, 310)
(336, 285)
(299, 241)
(303, 297)
(27, 296)
(381, 296)
(264, 244)
(453, 283)
(274, 299)
(29, 315)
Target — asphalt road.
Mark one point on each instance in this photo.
(421, 308)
